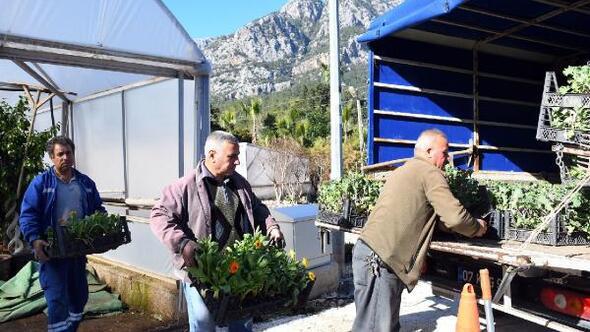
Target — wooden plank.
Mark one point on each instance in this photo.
(571, 258)
(331, 227)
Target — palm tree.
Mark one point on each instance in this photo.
(227, 120)
(253, 110)
(325, 71)
(346, 119)
(301, 130)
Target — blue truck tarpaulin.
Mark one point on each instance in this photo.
(409, 13)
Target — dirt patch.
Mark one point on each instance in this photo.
(129, 321)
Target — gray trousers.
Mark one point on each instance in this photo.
(377, 292)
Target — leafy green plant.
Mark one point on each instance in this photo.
(571, 119)
(576, 118)
(88, 228)
(249, 268)
(14, 129)
(358, 187)
(531, 202)
(465, 188)
(578, 79)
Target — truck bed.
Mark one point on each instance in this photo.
(572, 258)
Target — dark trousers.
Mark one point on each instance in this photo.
(377, 292)
(66, 291)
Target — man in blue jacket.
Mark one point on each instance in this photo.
(51, 198)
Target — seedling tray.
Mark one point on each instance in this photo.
(64, 246)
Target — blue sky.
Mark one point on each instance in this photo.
(212, 18)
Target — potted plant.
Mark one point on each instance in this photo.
(247, 277)
(348, 201)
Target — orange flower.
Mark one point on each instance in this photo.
(233, 267)
(258, 244)
(311, 276)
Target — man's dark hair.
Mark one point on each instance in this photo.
(61, 140)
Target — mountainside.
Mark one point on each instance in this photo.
(275, 51)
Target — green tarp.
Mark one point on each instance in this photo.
(22, 295)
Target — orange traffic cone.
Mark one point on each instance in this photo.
(467, 316)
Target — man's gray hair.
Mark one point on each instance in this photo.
(426, 138)
(216, 138)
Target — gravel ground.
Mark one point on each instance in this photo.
(420, 311)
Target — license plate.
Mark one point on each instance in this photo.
(471, 275)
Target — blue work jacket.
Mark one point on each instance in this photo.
(39, 201)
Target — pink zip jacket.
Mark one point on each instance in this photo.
(184, 211)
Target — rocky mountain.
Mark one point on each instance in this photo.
(274, 52)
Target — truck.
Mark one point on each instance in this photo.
(476, 70)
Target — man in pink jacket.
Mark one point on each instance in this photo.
(215, 201)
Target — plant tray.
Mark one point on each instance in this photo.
(553, 100)
(227, 308)
(331, 218)
(352, 221)
(357, 221)
(65, 247)
(555, 235)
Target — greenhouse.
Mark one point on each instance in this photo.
(134, 97)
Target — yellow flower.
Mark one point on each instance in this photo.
(304, 262)
(311, 276)
(258, 244)
(292, 254)
(233, 267)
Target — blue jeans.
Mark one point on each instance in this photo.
(199, 317)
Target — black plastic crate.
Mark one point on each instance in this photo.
(345, 219)
(357, 221)
(331, 218)
(351, 219)
(546, 130)
(555, 234)
(227, 308)
(63, 246)
(497, 224)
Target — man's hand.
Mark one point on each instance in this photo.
(188, 253)
(483, 228)
(275, 236)
(39, 250)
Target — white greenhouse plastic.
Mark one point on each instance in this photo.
(130, 87)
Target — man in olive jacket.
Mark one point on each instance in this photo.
(392, 246)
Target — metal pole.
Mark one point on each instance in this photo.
(180, 126)
(335, 125)
(335, 116)
(202, 116)
(359, 115)
(476, 156)
(486, 291)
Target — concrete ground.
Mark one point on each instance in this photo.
(420, 311)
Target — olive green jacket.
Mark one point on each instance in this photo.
(400, 227)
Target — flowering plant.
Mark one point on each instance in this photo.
(249, 268)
